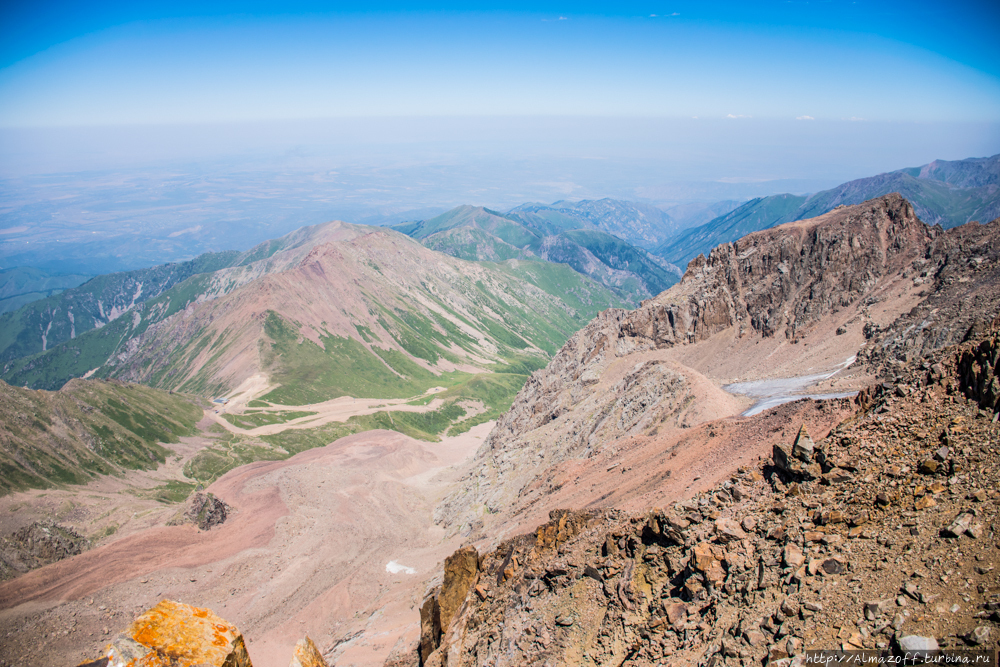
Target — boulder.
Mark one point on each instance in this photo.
(307, 655)
(979, 636)
(960, 524)
(180, 635)
(728, 530)
(917, 647)
(203, 510)
(803, 447)
(677, 613)
(782, 456)
(793, 556)
(460, 574)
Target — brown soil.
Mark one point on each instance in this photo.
(304, 552)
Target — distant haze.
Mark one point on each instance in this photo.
(96, 199)
(153, 131)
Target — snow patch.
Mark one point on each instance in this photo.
(392, 567)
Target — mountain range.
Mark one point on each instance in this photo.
(330, 339)
(23, 285)
(946, 193)
(365, 297)
(595, 238)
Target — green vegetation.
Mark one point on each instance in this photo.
(258, 404)
(311, 374)
(88, 428)
(622, 256)
(474, 244)
(255, 419)
(366, 334)
(230, 451)
(74, 358)
(478, 234)
(496, 391)
(75, 311)
(174, 491)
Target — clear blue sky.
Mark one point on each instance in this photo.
(64, 64)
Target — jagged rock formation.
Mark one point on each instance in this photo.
(442, 602)
(879, 536)
(174, 633)
(771, 288)
(979, 372)
(204, 510)
(958, 278)
(38, 544)
(307, 655)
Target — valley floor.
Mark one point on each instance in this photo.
(306, 552)
(337, 542)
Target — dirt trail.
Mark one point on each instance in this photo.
(335, 410)
(305, 552)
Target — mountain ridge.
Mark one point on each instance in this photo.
(807, 294)
(949, 193)
(476, 233)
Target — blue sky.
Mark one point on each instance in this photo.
(70, 64)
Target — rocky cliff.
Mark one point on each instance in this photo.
(879, 536)
(750, 300)
(958, 278)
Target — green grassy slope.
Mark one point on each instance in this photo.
(558, 235)
(74, 358)
(493, 392)
(46, 323)
(88, 428)
(623, 256)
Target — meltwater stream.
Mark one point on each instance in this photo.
(770, 393)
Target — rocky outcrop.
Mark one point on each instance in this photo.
(979, 373)
(38, 544)
(774, 283)
(958, 275)
(307, 655)
(173, 633)
(852, 541)
(204, 510)
(179, 635)
(442, 603)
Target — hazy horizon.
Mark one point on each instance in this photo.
(144, 122)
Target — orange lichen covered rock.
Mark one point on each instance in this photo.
(178, 635)
(307, 655)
